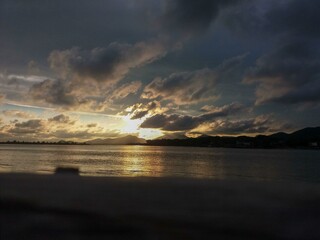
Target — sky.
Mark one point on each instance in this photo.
(81, 70)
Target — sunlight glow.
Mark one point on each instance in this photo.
(132, 127)
(148, 133)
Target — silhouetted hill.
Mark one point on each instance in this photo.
(304, 138)
(307, 133)
(279, 135)
(127, 140)
(173, 136)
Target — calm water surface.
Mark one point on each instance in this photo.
(219, 163)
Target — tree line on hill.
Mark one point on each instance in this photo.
(305, 138)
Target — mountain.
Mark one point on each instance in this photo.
(307, 133)
(173, 136)
(279, 135)
(127, 140)
(304, 138)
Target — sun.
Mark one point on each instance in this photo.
(132, 126)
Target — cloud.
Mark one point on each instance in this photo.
(55, 92)
(14, 87)
(224, 110)
(140, 110)
(295, 17)
(157, 121)
(92, 125)
(191, 17)
(176, 122)
(66, 23)
(17, 114)
(28, 127)
(239, 127)
(273, 18)
(126, 89)
(287, 75)
(107, 65)
(257, 125)
(53, 129)
(17, 85)
(182, 88)
(63, 95)
(62, 119)
(24, 79)
(191, 87)
(290, 71)
(308, 93)
(87, 79)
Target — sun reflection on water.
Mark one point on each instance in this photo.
(139, 162)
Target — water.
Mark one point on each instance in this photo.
(217, 163)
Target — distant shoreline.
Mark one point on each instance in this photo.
(41, 143)
(307, 138)
(227, 147)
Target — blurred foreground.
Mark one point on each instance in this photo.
(66, 206)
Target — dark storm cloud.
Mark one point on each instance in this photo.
(108, 65)
(66, 95)
(268, 18)
(78, 68)
(60, 24)
(87, 76)
(14, 87)
(260, 124)
(308, 93)
(125, 90)
(189, 17)
(175, 122)
(182, 88)
(290, 72)
(156, 121)
(240, 126)
(191, 87)
(296, 17)
(53, 92)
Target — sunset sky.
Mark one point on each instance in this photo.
(80, 70)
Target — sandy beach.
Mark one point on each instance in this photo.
(66, 206)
